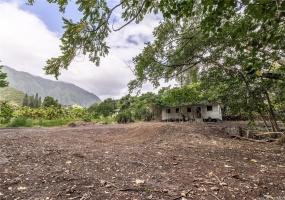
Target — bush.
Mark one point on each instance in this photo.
(20, 122)
(124, 117)
(6, 112)
(86, 118)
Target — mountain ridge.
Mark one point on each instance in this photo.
(65, 93)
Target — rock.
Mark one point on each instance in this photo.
(101, 123)
(71, 124)
(223, 184)
(236, 176)
(21, 188)
(215, 188)
(165, 190)
(103, 182)
(138, 181)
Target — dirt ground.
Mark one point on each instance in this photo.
(138, 161)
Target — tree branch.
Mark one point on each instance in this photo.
(131, 19)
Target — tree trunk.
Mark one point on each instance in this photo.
(271, 112)
(264, 121)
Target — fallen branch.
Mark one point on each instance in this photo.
(132, 189)
(250, 140)
(269, 134)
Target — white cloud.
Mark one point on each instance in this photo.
(26, 44)
(25, 41)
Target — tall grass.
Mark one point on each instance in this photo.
(40, 122)
(20, 122)
(25, 122)
(108, 120)
(52, 122)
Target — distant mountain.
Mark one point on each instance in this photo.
(65, 93)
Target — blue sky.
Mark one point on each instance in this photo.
(50, 15)
(31, 34)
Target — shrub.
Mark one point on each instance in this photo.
(87, 118)
(6, 112)
(124, 117)
(20, 122)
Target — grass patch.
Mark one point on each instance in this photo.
(108, 120)
(52, 122)
(26, 122)
(20, 122)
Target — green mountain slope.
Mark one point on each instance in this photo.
(12, 95)
(65, 93)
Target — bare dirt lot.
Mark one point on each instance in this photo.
(138, 161)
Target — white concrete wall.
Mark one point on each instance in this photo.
(216, 113)
(171, 115)
(174, 115)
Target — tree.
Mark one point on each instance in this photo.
(32, 101)
(254, 24)
(36, 104)
(51, 102)
(105, 108)
(40, 101)
(146, 107)
(238, 45)
(3, 83)
(6, 111)
(26, 100)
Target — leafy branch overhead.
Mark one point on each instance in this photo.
(88, 35)
(240, 36)
(250, 27)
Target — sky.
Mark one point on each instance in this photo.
(30, 35)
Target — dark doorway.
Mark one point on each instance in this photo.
(198, 112)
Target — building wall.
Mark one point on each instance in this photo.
(214, 114)
(171, 115)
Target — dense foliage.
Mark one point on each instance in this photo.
(105, 108)
(32, 101)
(244, 26)
(6, 112)
(51, 102)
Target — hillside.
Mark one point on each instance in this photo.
(65, 93)
(12, 95)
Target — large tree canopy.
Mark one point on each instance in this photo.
(253, 27)
(241, 36)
